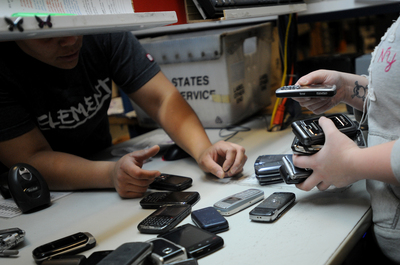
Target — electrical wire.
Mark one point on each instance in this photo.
(233, 131)
(284, 73)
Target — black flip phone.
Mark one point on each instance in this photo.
(164, 218)
(171, 182)
(272, 207)
(156, 199)
(309, 132)
(165, 252)
(72, 244)
(292, 174)
(198, 242)
(131, 253)
(210, 219)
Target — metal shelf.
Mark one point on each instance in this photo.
(86, 24)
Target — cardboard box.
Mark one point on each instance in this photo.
(224, 74)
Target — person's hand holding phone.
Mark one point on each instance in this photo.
(319, 105)
(330, 164)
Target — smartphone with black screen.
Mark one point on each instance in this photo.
(171, 182)
(198, 242)
(164, 218)
(156, 199)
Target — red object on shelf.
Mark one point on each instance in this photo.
(164, 5)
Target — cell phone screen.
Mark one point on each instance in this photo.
(198, 242)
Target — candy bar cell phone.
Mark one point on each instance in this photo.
(156, 199)
(165, 252)
(131, 253)
(310, 91)
(292, 174)
(197, 242)
(268, 164)
(272, 207)
(210, 219)
(171, 182)
(72, 244)
(239, 201)
(164, 218)
(309, 132)
(300, 149)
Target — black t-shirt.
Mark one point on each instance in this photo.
(70, 106)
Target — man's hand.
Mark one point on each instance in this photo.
(223, 159)
(130, 180)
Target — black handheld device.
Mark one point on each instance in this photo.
(27, 187)
(272, 207)
(164, 218)
(310, 91)
(197, 242)
(131, 253)
(72, 244)
(309, 132)
(171, 182)
(165, 252)
(292, 174)
(156, 199)
(210, 219)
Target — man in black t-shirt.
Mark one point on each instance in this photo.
(54, 96)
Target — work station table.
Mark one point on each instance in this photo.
(321, 227)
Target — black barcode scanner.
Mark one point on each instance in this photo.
(27, 187)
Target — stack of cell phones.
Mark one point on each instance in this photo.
(171, 208)
(172, 205)
(309, 139)
(266, 168)
(309, 136)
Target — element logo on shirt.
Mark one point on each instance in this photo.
(78, 114)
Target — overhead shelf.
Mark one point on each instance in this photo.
(84, 24)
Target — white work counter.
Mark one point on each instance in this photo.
(320, 228)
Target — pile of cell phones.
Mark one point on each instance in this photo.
(309, 139)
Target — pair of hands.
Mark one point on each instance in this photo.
(131, 181)
(329, 164)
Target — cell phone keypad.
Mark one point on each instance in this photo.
(291, 87)
(155, 197)
(157, 221)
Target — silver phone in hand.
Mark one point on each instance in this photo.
(239, 201)
(310, 91)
